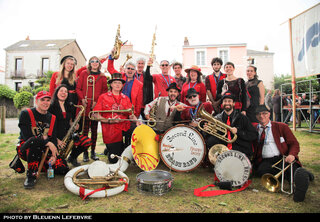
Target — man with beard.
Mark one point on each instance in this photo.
(240, 125)
(165, 110)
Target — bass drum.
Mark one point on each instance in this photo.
(182, 148)
(145, 148)
(232, 166)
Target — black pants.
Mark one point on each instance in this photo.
(266, 167)
(31, 151)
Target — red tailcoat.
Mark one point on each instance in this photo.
(214, 84)
(112, 133)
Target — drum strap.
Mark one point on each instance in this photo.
(199, 192)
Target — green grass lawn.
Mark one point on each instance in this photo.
(51, 196)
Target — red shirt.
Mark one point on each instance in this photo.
(112, 133)
(161, 83)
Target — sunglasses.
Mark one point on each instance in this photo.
(192, 96)
(165, 65)
(94, 61)
(130, 68)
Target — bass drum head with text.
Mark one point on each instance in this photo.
(182, 148)
(233, 166)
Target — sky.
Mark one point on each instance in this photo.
(94, 23)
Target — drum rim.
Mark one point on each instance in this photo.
(204, 152)
(154, 171)
(248, 161)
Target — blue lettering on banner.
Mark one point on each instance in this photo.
(312, 39)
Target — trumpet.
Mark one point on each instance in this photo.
(214, 126)
(271, 182)
(92, 116)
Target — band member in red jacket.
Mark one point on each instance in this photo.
(91, 84)
(112, 125)
(275, 141)
(132, 87)
(161, 81)
(211, 81)
(194, 76)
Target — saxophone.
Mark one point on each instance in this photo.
(68, 139)
(153, 44)
(117, 45)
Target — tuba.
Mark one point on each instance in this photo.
(117, 45)
(68, 139)
(214, 126)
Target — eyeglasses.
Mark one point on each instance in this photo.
(130, 68)
(262, 114)
(164, 65)
(94, 61)
(192, 96)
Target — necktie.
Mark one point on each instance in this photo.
(229, 134)
(262, 136)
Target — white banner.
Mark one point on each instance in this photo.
(306, 42)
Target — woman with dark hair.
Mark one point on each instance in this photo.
(276, 101)
(255, 88)
(194, 76)
(66, 76)
(62, 110)
(234, 85)
(91, 84)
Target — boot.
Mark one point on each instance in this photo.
(73, 161)
(85, 156)
(30, 180)
(93, 155)
(301, 184)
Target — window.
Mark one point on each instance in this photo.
(224, 55)
(18, 67)
(18, 86)
(44, 65)
(200, 58)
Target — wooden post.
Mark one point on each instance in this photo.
(293, 80)
(3, 119)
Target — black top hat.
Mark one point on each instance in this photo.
(191, 92)
(173, 86)
(66, 57)
(228, 95)
(261, 108)
(117, 76)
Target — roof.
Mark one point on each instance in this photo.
(215, 45)
(27, 45)
(254, 52)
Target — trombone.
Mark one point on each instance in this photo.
(91, 114)
(271, 182)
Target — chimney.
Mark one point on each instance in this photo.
(186, 41)
(27, 38)
(266, 48)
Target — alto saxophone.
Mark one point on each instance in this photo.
(68, 139)
(153, 44)
(117, 45)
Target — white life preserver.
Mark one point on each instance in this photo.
(72, 187)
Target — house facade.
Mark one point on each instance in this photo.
(28, 60)
(201, 55)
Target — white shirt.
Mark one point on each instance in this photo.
(269, 148)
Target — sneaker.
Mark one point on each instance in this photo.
(30, 182)
(93, 156)
(301, 184)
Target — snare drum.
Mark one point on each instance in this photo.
(157, 182)
(233, 166)
(182, 148)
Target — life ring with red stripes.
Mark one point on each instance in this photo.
(84, 193)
